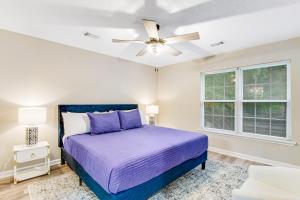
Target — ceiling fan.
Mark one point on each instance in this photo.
(156, 44)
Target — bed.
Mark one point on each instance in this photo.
(131, 164)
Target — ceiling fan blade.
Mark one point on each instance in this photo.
(142, 52)
(127, 41)
(172, 50)
(151, 29)
(182, 38)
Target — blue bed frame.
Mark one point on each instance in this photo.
(140, 192)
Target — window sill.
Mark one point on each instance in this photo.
(250, 137)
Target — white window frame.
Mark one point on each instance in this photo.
(239, 103)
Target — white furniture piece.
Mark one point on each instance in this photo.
(24, 153)
(270, 183)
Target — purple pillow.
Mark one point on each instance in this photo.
(130, 119)
(104, 123)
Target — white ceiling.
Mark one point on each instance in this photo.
(239, 23)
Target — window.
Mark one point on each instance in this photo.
(251, 100)
(219, 112)
(265, 100)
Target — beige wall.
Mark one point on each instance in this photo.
(179, 98)
(36, 72)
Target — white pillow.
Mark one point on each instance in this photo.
(144, 118)
(75, 123)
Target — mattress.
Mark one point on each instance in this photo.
(121, 160)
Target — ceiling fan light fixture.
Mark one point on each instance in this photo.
(156, 48)
(155, 44)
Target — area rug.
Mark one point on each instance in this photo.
(214, 183)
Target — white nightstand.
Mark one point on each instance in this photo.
(23, 153)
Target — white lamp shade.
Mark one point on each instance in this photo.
(32, 115)
(152, 109)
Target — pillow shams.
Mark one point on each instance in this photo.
(143, 116)
(104, 123)
(130, 119)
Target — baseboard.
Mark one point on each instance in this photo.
(251, 158)
(10, 173)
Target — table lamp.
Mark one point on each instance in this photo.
(152, 111)
(31, 117)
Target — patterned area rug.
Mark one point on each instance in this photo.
(215, 183)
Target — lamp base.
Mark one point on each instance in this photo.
(31, 137)
(152, 120)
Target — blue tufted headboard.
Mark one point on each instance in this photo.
(87, 108)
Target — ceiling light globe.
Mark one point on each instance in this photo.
(156, 49)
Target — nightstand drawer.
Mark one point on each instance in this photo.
(32, 154)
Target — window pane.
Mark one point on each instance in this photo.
(229, 123)
(220, 86)
(209, 93)
(263, 110)
(249, 76)
(278, 91)
(263, 126)
(209, 80)
(229, 93)
(278, 110)
(279, 81)
(218, 122)
(229, 109)
(219, 115)
(268, 83)
(230, 79)
(208, 108)
(265, 118)
(262, 92)
(249, 125)
(208, 121)
(219, 79)
(262, 75)
(218, 108)
(219, 93)
(248, 109)
(249, 92)
(278, 128)
(278, 74)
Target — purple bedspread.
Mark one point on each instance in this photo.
(121, 160)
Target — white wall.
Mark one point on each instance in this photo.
(179, 98)
(36, 72)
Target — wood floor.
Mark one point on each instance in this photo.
(9, 191)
